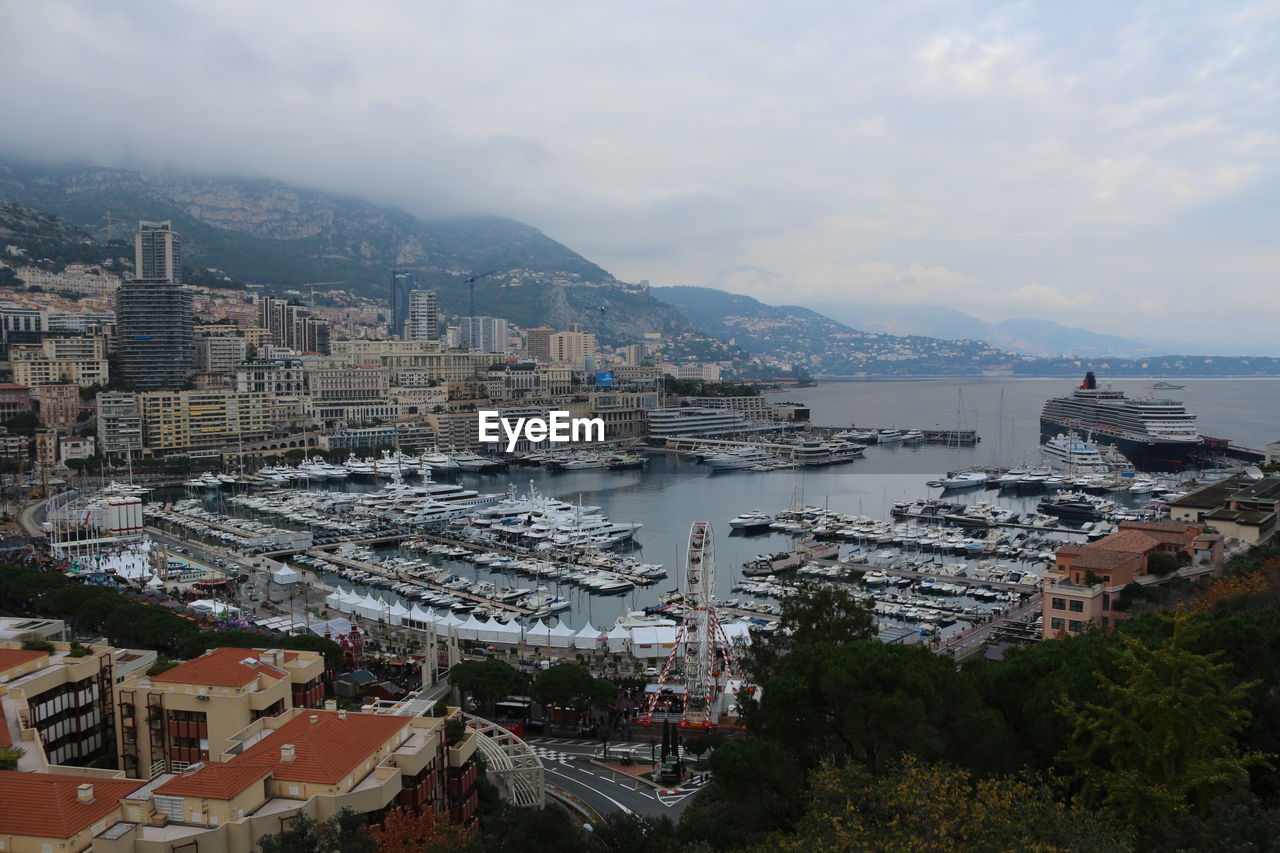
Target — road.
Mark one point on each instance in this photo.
(967, 641)
(567, 764)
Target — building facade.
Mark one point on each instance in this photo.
(424, 316)
(119, 423)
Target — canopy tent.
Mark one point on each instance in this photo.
(470, 630)
(538, 634)
(488, 631)
(508, 633)
(652, 642)
(588, 638)
(286, 575)
(561, 635)
(619, 639)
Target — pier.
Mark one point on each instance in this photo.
(323, 553)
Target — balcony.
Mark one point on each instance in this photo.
(461, 752)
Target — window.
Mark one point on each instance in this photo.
(171, 807)
(1059, 604)
(1056, 623)
(1076, 606)
(1074, 626)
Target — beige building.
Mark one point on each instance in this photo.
(180, 421)
(192, 712)
(537, 343)
(57, 705)
(47, 812)
(573, 347)
(59, 405)
(1238, 508)
(80, 360)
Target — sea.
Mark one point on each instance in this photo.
(670, 493)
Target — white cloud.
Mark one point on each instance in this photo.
(987, 156)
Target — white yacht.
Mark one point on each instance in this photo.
(965, 480)
(754, 520)
(1074, 454)
(889, 436)
(357, 467)
(745, 457)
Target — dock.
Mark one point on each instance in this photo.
(323, 553)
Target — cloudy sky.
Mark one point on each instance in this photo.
(1110, 165)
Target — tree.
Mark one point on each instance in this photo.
(1164, 735)
(487, 680)
(919, 806)
(815, 614)
(756, 787)
(342, 833)
(627, 832)
(1161, 564)
(564, 685)
(407, 831)
(522, 830)
(869, 702)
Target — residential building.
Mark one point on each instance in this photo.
(1087, 582)
(409, 437)
(14, 446)
(285, 376)
(192, 713)
(537, 343)
(370, 353)
(220, 353)
(403, 283)
(485, 334)
(512, 382)
(1238, 508)
(59, 405)
(43, 812)
(347, 394)
(74, 447)
(157, 253)
(119, 423)
(13, 400)
(57, 705)
(89, 279)
(424, 316)
(22, 325)
(154, 334)
(181, 421)
(80, 360)
(302, 762)
(573, 347)
(754, 408)
(293, 326)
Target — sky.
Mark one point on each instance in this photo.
(1108, 165)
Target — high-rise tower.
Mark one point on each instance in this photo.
(402, 284)
(153, 313)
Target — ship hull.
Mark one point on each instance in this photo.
(1145, 455)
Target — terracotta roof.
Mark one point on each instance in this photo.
(9, 658)
(1102, 559)
(6, 739)
(325, 751)
(223, 667)
(213, 780)
(1127, 541)
(46, 804)
(1164, 531)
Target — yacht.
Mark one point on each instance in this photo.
(745, 457)
(965, 480)
(754, 520)
(357, 467)
(1075, 455)
(889, 436)
(1150, 431)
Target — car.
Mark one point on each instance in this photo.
(651, 672)
(254, 598)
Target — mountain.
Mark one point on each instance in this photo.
(1031, 337)
(271, 233)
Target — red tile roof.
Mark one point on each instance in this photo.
(10, 658)
(1127, 541)
(213, 780)
(223, 667)
(5, 738)
(46, 804)
(325, 751)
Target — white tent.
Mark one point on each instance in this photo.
(652, 642)
(508, 633)
(334, 627)
(561, 635)
(587, 638)
(286, 575)
(214, 607)
(489, 631)
(420, 618)
(738, 633)
(398, 613)
(619, 638)
(470, 630)
(369, 607)
(538, 634)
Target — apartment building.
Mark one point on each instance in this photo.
(59, 405)
(346, 394)
(119, 423)
(220, 353)
(537, 342)
(56, 705)
(193, 711)
(1238, 507)
(300, 762)
(79, 360)
(181, 421)
(1086, 583)
(44, 812)
(573, 347)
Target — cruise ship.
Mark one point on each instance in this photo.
(1152, 432)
